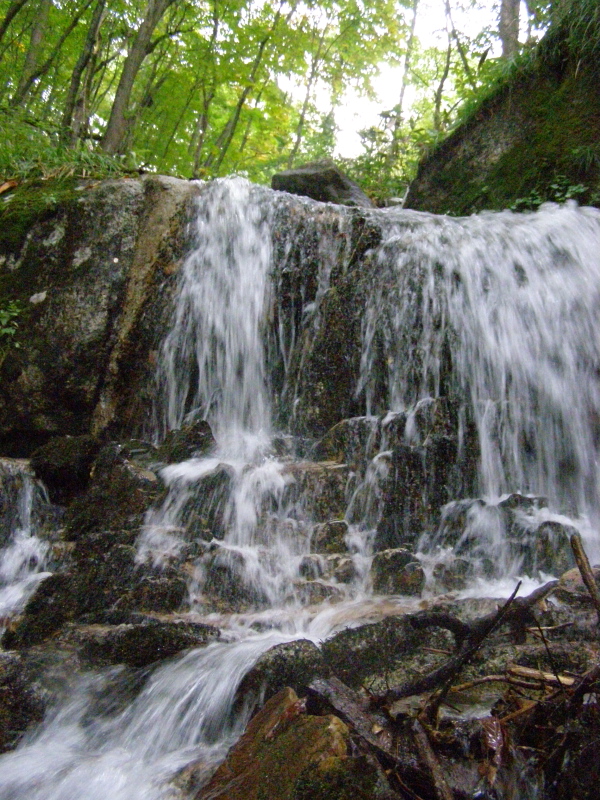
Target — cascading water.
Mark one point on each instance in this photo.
(496, 313)
(23, 556)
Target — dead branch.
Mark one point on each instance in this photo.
(426, 754)
(586, 571)
(469, 636)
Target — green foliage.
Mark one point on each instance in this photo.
(10, 311)
(31, 151)
(559, 190)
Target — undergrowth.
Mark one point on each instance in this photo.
(31, 151)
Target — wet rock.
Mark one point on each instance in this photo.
(548, 549)
(397, 571)
(317, 491)
(139, 645)
(453, 576)
(571, 588)
(329, 537)
(352, 441)
(229, 579)
(195, 439)
(294, 664)
(312, 567)
(164, 592)
(21, 701)
(63, 464)
(119, 494)
(344, 570)
(355, 654)
(322, 181)
(205, 513)
(426, 474)
(313, 592)
(51, 605)
(279, 744)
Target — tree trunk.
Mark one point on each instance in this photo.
(67, 134)
(394, 148)
(509, 27)
(34, 51)
(117, 123)
(12, 12)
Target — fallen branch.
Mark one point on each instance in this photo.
(469, 636)
(586, 571)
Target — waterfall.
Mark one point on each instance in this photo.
(23, 555)
(497, 314)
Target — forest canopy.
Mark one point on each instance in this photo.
(203, 88)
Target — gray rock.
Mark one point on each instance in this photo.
(139, 645)
(322, 181)
(329, 537)
(396, 571)
(294, 664)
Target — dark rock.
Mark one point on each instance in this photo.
(317, 491)
(21, 702)
(344, 570)
(204, 515)
(311, 567)
(163, 593)
(322, 181)
(453, 576)
(352, 441)
(329, 537)
(397, 572)
(195, 439)
(227, 579)
(119, 494)
(293, 664)
(355, 654)
(64, 463)
(51, 605)
(140, 645)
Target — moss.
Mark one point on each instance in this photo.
(337, 779)
(31, 202)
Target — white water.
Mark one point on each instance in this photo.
(23, 555)
(514, 292)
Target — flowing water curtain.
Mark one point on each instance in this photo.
(212, 362)
(497, 311)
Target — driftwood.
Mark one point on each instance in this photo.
(468, 636)
(586, 571)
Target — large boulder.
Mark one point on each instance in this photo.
(322, 181)
(281, 745)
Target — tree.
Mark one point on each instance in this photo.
(508, 28)
(116, 127)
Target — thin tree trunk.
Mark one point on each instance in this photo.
(394, 148)
(43, 68)
(12, 12)
(460, 48)
(226, 136)
(437, 103)
(316, 60)
(117, 122)
(35, 48)
(67, 133)
(509, 27)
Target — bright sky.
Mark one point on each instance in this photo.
(358, 113)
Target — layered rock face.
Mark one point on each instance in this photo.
(303, 418)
